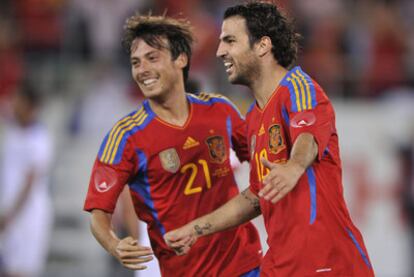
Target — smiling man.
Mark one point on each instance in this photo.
(291, 124)
(173, 153)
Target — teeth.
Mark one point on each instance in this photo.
(149, 81)
(228, 66)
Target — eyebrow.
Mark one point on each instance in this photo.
(152, 52)
(227, 37)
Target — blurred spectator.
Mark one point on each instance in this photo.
(11, 64)
(40, 23)
(25, 205)
(104, 20)
(324, 55)
(206, 32)
(387, 52)
(406, 158)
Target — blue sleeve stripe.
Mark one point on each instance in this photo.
(132, 129)
(141, 186)
(364, 256)
(310, 89)
(285, 116)
(312, 189)
(294, 95)
(115, 131)
(210, 99)
(229, 130)
(102, 148)
(251, 108)
(114, 144)
(302, 94)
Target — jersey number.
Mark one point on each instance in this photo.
(261, 170)
(190, 187)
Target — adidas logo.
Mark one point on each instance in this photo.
(262, 130)
(189, 143)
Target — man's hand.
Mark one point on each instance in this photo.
(131, 255)
(181, 239)
(281, 179)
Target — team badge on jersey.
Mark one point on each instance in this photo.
(104, 179)
(252, 145)
(303, 119)
(217, 149)
(275, 139)
(170, 160)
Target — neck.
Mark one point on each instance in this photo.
(268, 80)
(173, 108)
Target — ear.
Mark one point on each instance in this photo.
(181, 61)
(264, 46)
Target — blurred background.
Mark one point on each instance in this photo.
(361, 52)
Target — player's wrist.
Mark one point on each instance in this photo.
(112, 247)
(298, 167)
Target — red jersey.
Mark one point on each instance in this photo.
(309, 230)
(176, 174)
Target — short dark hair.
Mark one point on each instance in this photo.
(153, 28)
(264, 19)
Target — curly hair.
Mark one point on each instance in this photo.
(153, 29)
(264, 19)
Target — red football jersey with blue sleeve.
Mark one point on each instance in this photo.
(176, 174)
(309, 231)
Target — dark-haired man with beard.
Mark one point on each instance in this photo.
(295, 177)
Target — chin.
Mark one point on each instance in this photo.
(236, 80)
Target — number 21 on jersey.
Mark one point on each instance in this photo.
(190, 187)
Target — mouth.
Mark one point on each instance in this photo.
(228, 65)
(148, 82)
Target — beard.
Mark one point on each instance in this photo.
(246, 73)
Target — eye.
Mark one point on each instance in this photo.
(152, 58)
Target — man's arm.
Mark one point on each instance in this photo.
(282, 178)
(128, 216)
(20, 201)
(238, 210)
(126, 251)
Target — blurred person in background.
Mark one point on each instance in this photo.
(292, 124)
(25, 204)
(175, 162)
(11, 62)
(406, 160)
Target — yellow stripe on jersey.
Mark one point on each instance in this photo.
(295, 87)
(134, 123)
(302, 91)
(115, 131)
(309, 106)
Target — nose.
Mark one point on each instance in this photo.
(142, 67)
(220, 50)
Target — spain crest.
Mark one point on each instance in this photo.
(170, 160)
(275, 139)
(217, 149)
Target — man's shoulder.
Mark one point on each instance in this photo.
(213, 101)
(124, 129)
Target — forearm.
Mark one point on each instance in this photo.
(304, 151)
(102, 230)
(238, 210)
(22, 197)
(129, 217)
